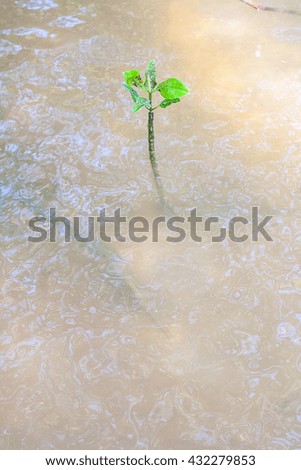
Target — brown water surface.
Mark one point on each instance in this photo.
(149, 346)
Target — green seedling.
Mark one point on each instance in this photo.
(172, 90)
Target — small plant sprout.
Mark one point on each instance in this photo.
(171, 90)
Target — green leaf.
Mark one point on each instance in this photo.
(150, 77)
(140, 103)
(133, 92)
(166, 103)
(133, 78)
(172, 88)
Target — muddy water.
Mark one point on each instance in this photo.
(188, 345)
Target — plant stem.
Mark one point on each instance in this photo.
(152, 154)
(151, 144)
